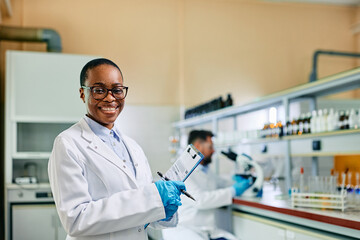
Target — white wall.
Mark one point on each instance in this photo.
(150, 127)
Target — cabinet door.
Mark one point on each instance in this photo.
(44, 85)
(296, 235)
(253, 230)
(61, 234)
(36, 222)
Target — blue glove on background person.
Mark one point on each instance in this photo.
(238, 178)
(240, 185)
(170, 192)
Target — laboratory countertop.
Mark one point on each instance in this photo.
(275, 204)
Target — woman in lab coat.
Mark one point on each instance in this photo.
(197, 219)
(100, 179)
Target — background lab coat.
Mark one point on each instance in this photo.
(96, 196)
(197, 219)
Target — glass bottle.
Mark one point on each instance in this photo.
(288, 128)
(342, 120)
(346, 119)
(294, 126)
(313, 122)
(324, 120)
(264, 130)
(280, 129)
(352, 119)
(271, 130)
(307, 123)
(228, 102)
(319, 121)
(337, 123)
(300, 123)
(331, 120)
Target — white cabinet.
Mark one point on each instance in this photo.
(251, 227)
(41, 100)
(36, 222)
(252, 230)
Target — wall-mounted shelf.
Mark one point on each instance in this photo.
(293, 137)
(323, 134)
(337, 83)
(333, 84)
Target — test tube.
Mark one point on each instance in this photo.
(357, 187)
(311, 185)
(333, 183)
(349, 188)
(343, 181)
(317, 184)
(301, 184)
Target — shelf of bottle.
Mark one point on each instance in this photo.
(31, 155)
(292, 137)
(322, 134)
(329, 85)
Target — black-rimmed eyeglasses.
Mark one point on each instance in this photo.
(99, 93)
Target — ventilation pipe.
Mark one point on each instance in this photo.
(21, 34)
(313, 75)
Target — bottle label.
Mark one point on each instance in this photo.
(306, 127)
(290, 130)
(301, 127)
(295, 129)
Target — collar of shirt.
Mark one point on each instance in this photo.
(203, 168)
(101, 131)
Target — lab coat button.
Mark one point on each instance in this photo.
(95, 147)
(136, 164)
(139, 230)
(124, 166)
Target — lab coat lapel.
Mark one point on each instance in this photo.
(98, 146)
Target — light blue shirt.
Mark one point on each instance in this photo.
(113, 140)
(205, 169)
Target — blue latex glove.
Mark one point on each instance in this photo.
(170, 192)
(241, 185)
(237, 178)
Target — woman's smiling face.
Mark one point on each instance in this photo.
(103, 111)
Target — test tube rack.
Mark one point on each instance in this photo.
(319, 200)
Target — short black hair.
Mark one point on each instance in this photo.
(92, 64)
(199, 134)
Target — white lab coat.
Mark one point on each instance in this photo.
(96, 196)
(197, 219)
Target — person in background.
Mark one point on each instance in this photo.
(197, 219)
(100, 178)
